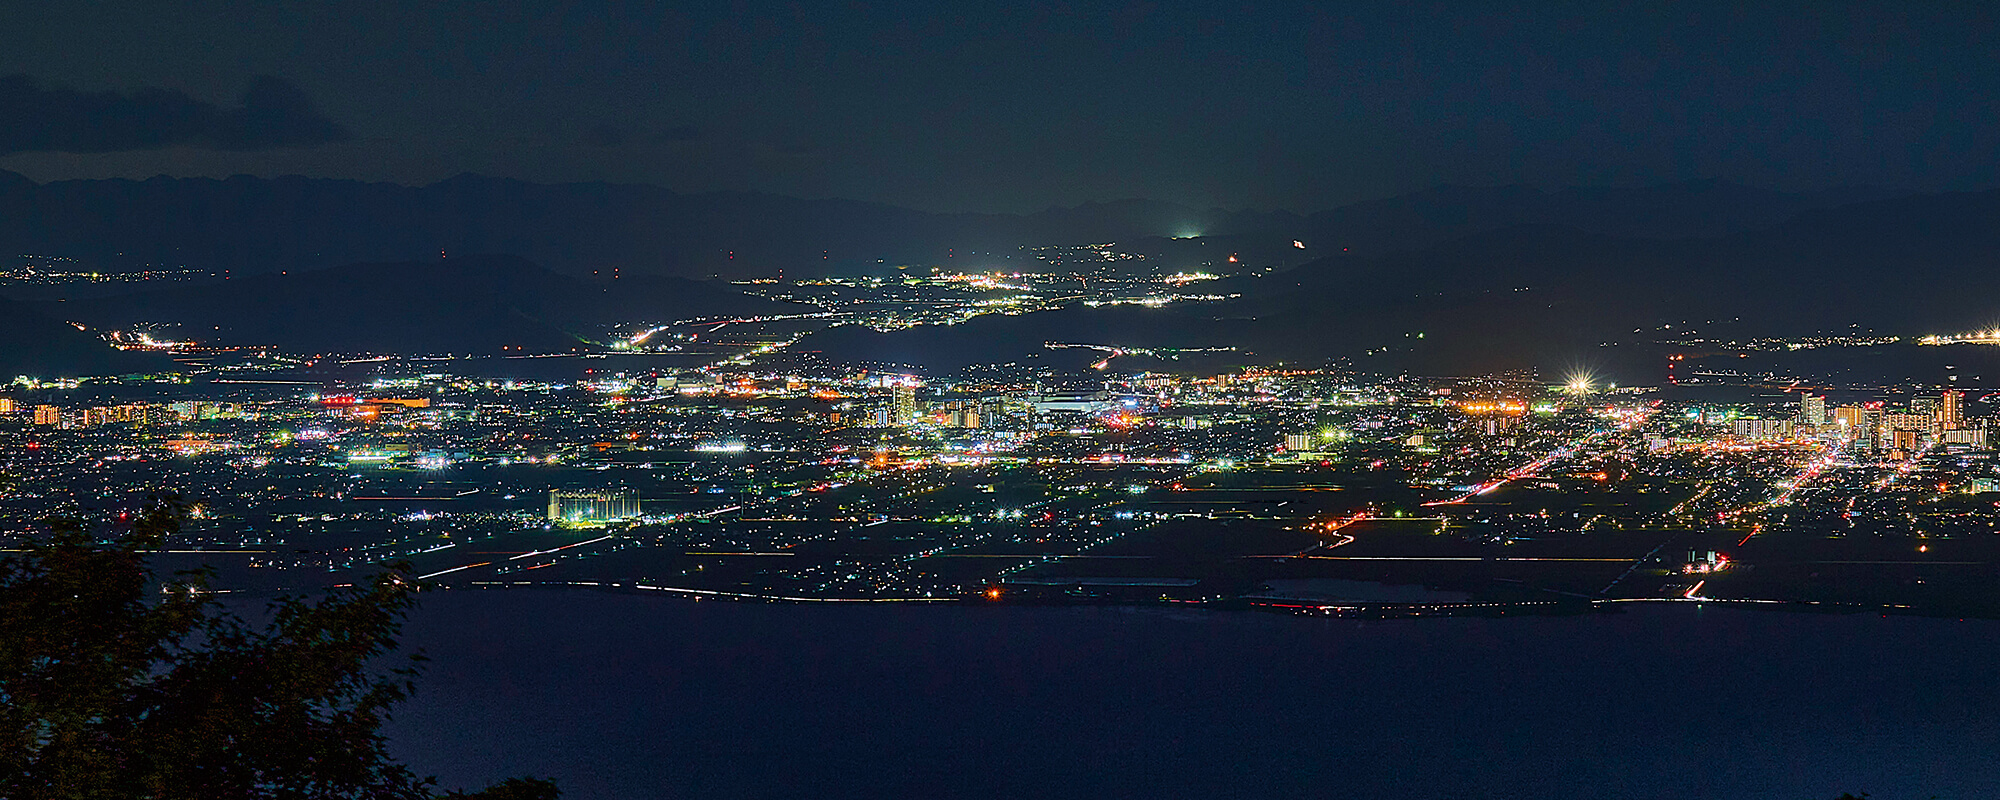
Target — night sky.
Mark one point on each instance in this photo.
(1011, 106)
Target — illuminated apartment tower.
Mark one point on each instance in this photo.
(48, 415)
(961, 414)
(903, 404)
(1950, 415)
(1812, 409)
(6, 405)
(1863, 422)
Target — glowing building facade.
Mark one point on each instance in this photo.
(592, 506)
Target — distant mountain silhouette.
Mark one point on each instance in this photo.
(1451, 279)
(1548, 296)
(454, 305)
(1905, 263)
(248, 225)
(1705, 208)
(37, 345)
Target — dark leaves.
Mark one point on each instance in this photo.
(113, 685)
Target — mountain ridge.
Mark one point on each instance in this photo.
(245, 225)
(1545, 296)
(1491, 298)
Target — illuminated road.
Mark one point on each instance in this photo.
(1531, 468)
(1811, 471)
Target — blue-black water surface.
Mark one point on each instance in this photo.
(632, 697)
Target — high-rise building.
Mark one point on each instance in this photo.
(1812, 409)
(1851, 419)
(1966, 436)
(1498, 424)
(903, 404)
(6, 405)
(584, 507)
(1907, 421)
(48, 415)
(961, 414)
(1950, 411)
(1864, 423)
(1754, 428)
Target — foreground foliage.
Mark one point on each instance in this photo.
(115, 683)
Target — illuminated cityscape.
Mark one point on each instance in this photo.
(1072, 399)
(728, 459)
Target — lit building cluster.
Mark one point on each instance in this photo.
(718, 458)
(889, 484)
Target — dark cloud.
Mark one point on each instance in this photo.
(273, 113)
(1017, 106)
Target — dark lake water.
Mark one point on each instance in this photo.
(636, 697)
